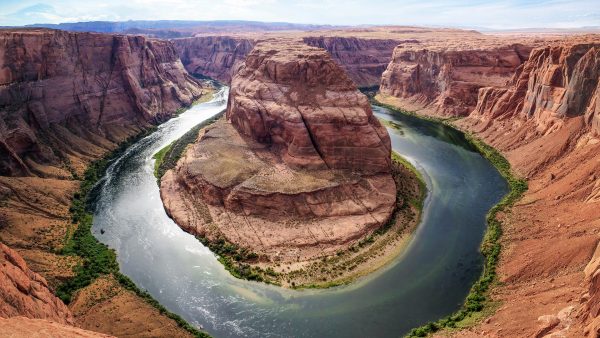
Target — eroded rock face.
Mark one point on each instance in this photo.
(25, 293)
(299, 168)
(71, 96)
(557, 82)
(543, 121)
(446, 80)
(363, 59)
(296, 98)
(213, 56)
(22, 327)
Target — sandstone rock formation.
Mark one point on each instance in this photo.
(216, 56)
(70, 96)
(25, 293)
(544, 120)
(363, 59)
(213, 56)
(67, 99)
(299, 169)
(445, 79)
(23, 327)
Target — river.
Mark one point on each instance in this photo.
(428, 281)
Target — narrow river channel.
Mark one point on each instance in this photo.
(430, 280)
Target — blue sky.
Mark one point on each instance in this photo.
(455, 13)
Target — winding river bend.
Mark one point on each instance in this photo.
(428, 281)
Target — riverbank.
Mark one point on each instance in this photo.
(478, 304)
(361, 257)
(100, 296)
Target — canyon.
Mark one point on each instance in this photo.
(299, 168)
(544, 120)
(363, 53)
(67, 99)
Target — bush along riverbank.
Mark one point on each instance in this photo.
(478, 304)
(96, 258)
(363, 257)
(167, 157)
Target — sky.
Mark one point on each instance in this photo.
(453, 13)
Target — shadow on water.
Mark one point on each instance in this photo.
(428, 281)
(434, 129)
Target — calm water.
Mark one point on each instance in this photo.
(429, 281)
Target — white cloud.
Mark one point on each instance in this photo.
(481, 13)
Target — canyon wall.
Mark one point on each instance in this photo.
(65, 96)
(445, 79)
(545, 121)
(216, 56)
(363, 59)
(213, 56)
(67, 99)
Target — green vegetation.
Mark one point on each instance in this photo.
(478, 303)
(171, 153)
(97, 258)
(159, 157)
(408, 200)
(235, 259)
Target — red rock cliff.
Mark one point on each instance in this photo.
(298, 99)
(25, 293)
(363, 59)
(545, 123)
(213, 56)
(445, 80)
(70, 96)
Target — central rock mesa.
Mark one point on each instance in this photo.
(298, 169)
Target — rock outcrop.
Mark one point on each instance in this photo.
(66, 96)
(363, 59)
(25, 293)
(445, 80)
(213, 56)
(300, 167)
(22, 327)
(556, 83)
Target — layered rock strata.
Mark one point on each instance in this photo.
(363, 59)
(213, 56)
(67, 99)
(544, 120)
(70, 96)
(445, 80)
(300, 168)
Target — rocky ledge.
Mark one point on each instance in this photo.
(444, 79)
(298, 169)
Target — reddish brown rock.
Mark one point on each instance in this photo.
(544, 122)
(445, 79)
(557, 82)
(25, 293)
(213, 56)
(299, 169)
(22, 327)
(67, 97)
(304, 105)
(363, 59)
